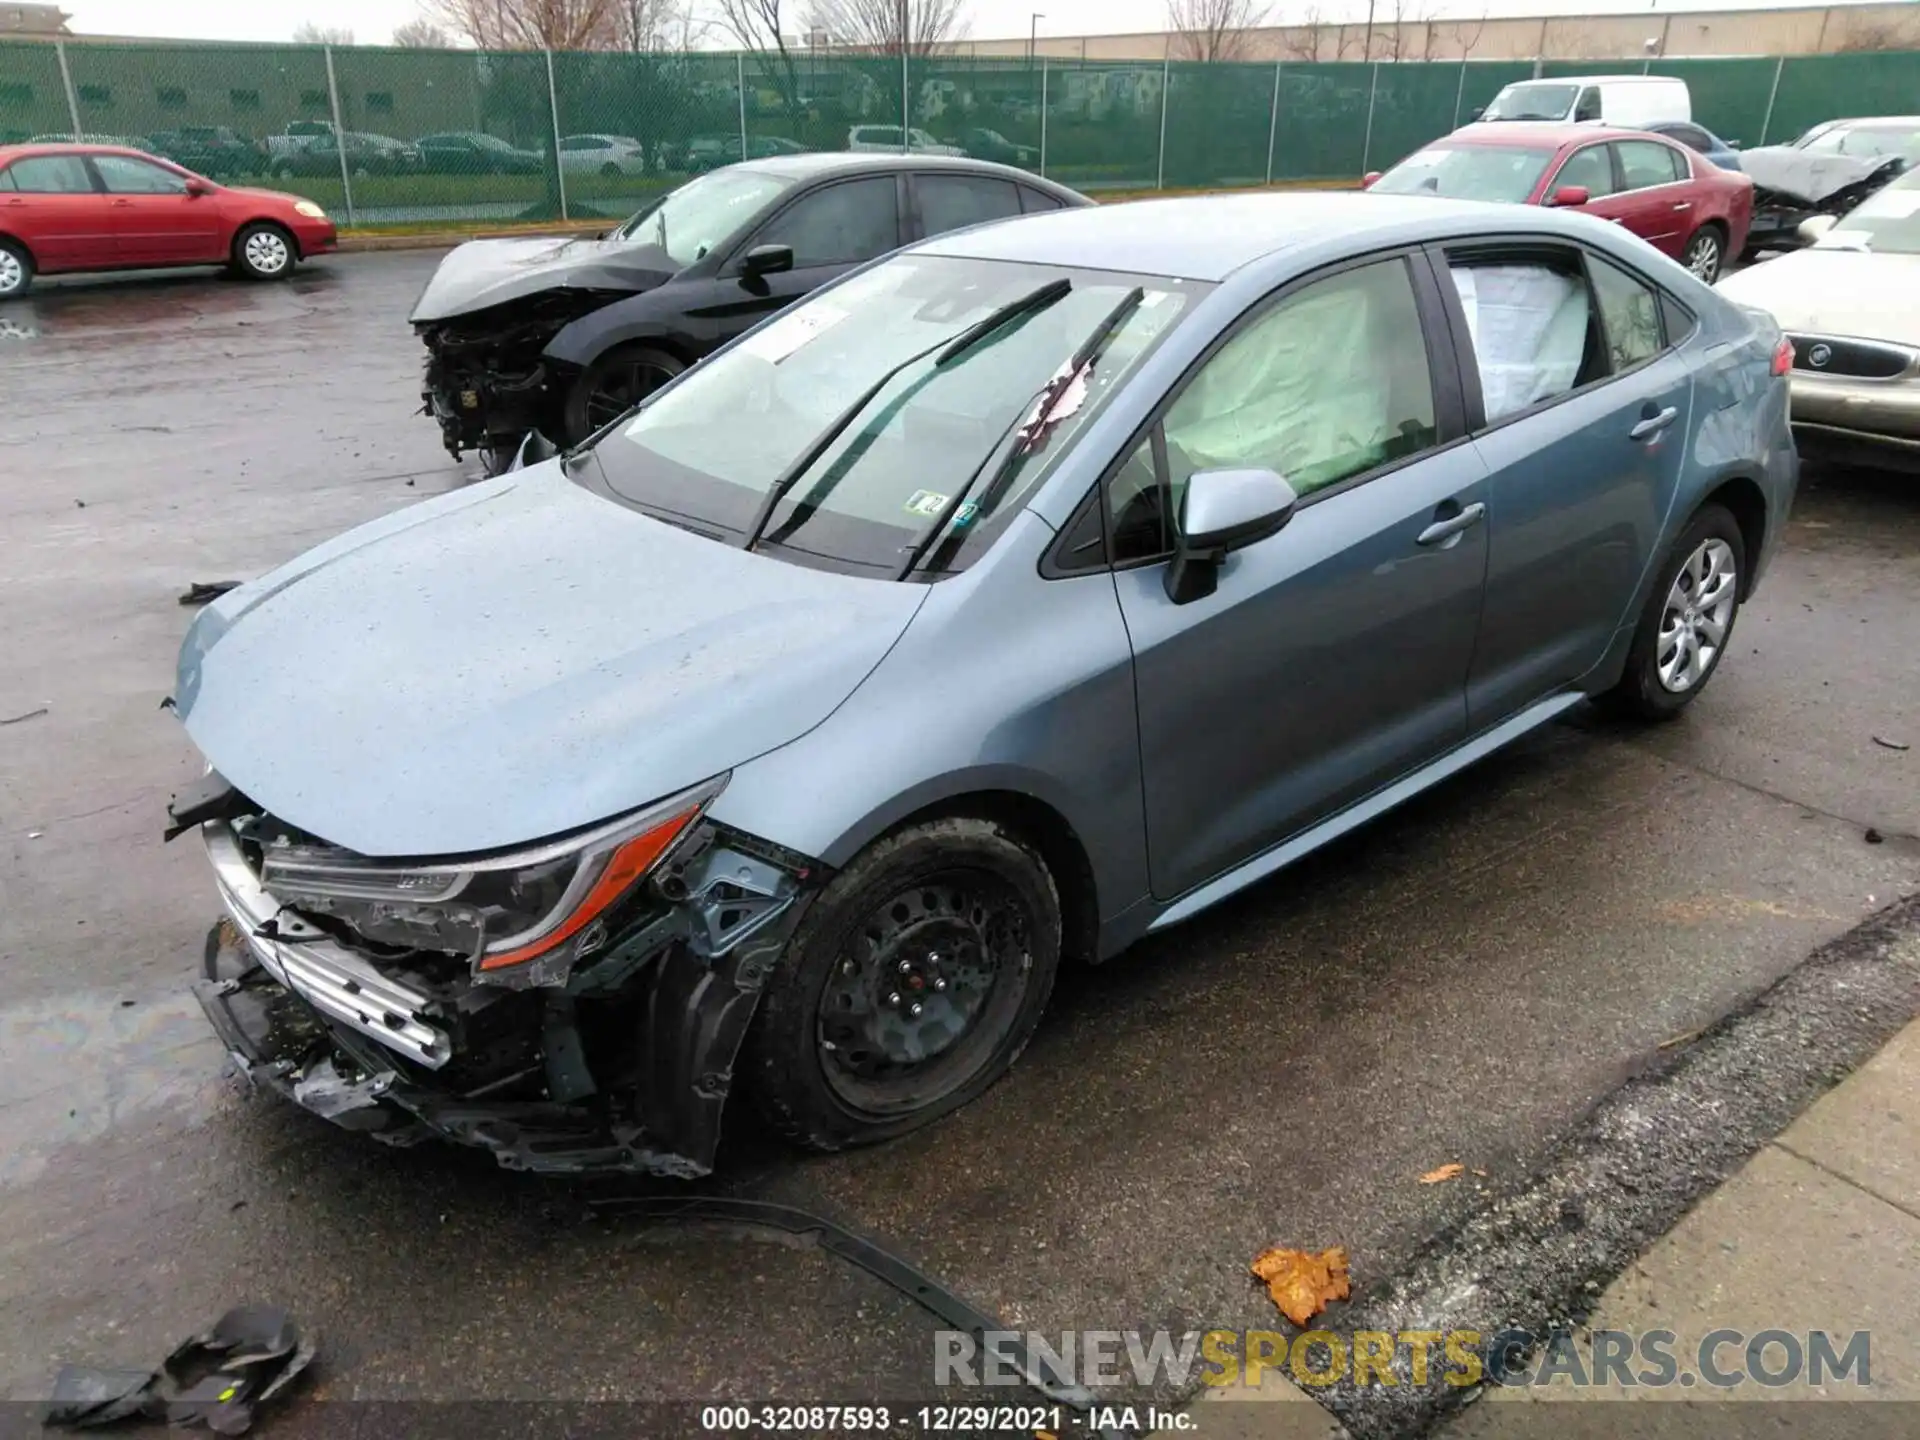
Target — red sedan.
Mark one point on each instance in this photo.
(66, 208)
(1663, 192)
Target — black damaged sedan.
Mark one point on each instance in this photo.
(562, 336)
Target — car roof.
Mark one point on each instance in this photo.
(67, 147)
(1598, 79)
(1853, 120)
(840, 162)
(1208, 237)
(1537, 133)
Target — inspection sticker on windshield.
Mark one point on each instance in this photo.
(931, 502)
(787, 334)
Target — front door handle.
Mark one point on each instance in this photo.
(1654, 424)
(1684, 205)
(1444, 531)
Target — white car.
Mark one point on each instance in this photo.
(885, 140)
(602, 155)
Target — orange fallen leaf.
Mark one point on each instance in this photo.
(1300, 1283)
(1452, 1171)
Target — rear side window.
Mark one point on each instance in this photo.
(949, 202)
(1630, 314)
(842, 224)
(1531, 321)
(1691, 135)
(52, 175)
(1647, 162)
(1032, 200)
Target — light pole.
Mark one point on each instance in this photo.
(1033, 35)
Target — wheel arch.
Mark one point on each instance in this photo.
(627, 321)
(1741, 495)
(22, 246)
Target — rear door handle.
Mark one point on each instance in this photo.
(1444, 530)
(1654, 424)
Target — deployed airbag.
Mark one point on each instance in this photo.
(1529, 329)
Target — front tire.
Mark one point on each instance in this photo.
(912, 984)
(16, 270)
(262, 251)
(1688, 621)
(1706, 254)
(614, 384)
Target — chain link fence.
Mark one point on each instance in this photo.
(392, 137)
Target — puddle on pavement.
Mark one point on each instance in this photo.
(75, 1068)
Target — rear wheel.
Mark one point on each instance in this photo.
(912, 984)
(613, 385)
(1688, 622)
(262, 251)
(16, 270)
(1706, 252)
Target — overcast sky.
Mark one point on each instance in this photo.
(372, 21)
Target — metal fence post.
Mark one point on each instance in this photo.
(1166, 84)
(1366, 144)
(906, 83)
(740, 90)
(66, 79)
(1460, 92)
(553, 111)
(339, 131)
(1273, 121)
(1043, 117)
(1772, 92)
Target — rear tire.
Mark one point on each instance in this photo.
(1688, 621)
(1706, 253)
(16, 270)
(613, 384)
(911, 985)
(264, 251)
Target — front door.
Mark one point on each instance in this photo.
(830, 230)
(1333, 656)
(156, 220)
(1582, 419)
(51, 203)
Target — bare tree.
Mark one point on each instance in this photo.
(1213, 29)
(309, 33)
(420, 33)
(875, 24)
(531, 24)
(756, 25)
(1316, 38)
(648, 25)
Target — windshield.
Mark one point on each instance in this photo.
(709, 449)
(1867, 142)
(689, 222)
(1506, 173)
(1888, 223)
(1532, 101)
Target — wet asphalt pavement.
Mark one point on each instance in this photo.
(1461, 981)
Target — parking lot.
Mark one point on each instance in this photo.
(1458, 982)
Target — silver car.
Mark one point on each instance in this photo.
(1017, 595)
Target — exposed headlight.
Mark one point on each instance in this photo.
(309, 209)
(502, 909)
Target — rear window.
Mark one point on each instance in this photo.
(1506, 173)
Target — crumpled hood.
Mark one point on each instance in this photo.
(484, 273)
(1809, 177)
(513, 661)
(1823, 291)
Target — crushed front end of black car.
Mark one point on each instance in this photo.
(488, 381)
(611, 1052)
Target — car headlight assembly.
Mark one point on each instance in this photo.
(309, 209)
(504, 910)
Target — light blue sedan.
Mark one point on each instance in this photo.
(1022, 593)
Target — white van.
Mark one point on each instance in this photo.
(1629, 101)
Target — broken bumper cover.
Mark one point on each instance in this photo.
(325, 1026)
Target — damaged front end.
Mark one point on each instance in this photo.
(1792, 186)
(488, 381)
(572, 1007)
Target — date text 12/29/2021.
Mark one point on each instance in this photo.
(1033, 1420)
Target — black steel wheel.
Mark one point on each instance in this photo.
(912, 984)
(613, 385)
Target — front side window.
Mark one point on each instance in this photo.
(52, 175)
(702, 214)
(1589, 106)
(1590, 169)
(949, 202)
(709, 449)
(1630, 313)
(1645, 163)
(124, 175)
(841, 224)
(1502, 173)
(1327, 384)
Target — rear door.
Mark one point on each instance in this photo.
(53, 204)
(944, 201)
(155, 220)
(1579, 404)
(1655, 199)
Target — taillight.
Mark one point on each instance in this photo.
(1783, 356)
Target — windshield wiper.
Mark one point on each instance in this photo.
(1048, 400)
(949, 350)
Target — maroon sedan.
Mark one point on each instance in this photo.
(1672, 198)
(66, 208)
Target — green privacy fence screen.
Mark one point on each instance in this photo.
(397, 137)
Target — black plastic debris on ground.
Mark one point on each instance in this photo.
(216, 1378)
(201, 591)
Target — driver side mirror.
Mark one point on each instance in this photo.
(766, 260)
(1814, 226)
(1223, 510)
(1476, 112)
(1367, 180)
(1569, 196)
